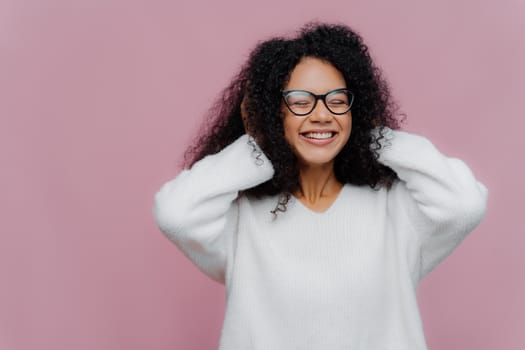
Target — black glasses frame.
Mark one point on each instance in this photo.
(319, 97)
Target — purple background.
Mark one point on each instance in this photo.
(98, 100)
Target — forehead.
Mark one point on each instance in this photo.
(315, 75)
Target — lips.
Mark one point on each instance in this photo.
(319, 135)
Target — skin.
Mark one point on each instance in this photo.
(318, 185)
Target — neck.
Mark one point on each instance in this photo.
(317, 184)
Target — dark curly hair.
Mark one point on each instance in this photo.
(261, 79)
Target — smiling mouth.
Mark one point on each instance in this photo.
(319, 135)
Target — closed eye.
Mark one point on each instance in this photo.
(337, 102)
(301, 103)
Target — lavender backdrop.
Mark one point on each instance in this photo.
(98, 100)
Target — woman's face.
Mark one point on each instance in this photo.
(318, 137)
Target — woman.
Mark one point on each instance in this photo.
(315, 212)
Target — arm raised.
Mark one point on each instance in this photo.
(443, 200)
(197, 209)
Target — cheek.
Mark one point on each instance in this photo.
(348, 125)
(291, 126)
(345, 124)
(288, 135)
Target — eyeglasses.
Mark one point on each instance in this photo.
(302, 102)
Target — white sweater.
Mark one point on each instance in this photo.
(342, 279)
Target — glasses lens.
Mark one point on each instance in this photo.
(300, 102)
(339, 101)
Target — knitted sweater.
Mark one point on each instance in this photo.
(345, 278)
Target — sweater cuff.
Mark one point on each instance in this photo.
(244, 160)
(401, 147)
(382, 137)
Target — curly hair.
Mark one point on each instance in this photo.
(261, 79)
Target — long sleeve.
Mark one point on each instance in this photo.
(440, 196)
(197, 210)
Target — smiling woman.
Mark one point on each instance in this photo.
(319, 131)
(320, 218)
(321, 126)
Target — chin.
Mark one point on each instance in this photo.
(316, 161)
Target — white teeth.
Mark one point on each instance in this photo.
(319, 135)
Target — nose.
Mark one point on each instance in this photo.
(321, 114)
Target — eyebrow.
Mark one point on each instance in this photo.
(311, 92)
